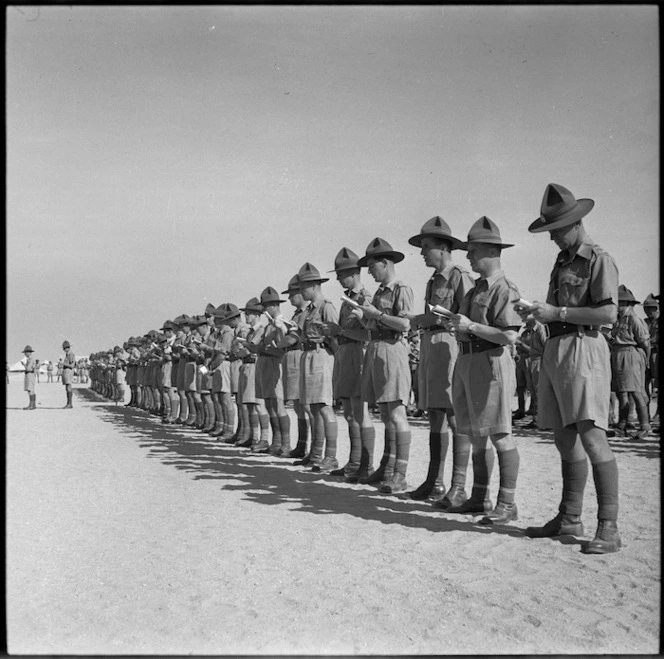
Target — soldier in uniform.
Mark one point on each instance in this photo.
(258, 417)
(575, 378)
(120, 373)
(59, 370)
(347, 376)
(531, 342)
(484, 378)
(186, 370)
(227, 318)
(49, 371)
(386, 370)
(168, 389)
(29, 378)
(630, 352)
(243, 430)
(316, 367)
(269, 371)
(446, 288)
(291, 369)
(68, 372)
(651, 309)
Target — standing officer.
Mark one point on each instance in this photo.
(532, 341)
(386, 369)
(269, 372)
(447, 287)
(29, 378)
(575, 380)
(630, 352)
(68, 372)
(347, 376)
(316, 368)
(484, 377)
(291, 368)
(651, 308)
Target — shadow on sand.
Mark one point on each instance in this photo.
(271, 481)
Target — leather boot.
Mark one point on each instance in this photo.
(68, 406)
(300, 449)
(606, 540)
(217, 430)
(561, 524)
(454, 497)
(473, 505)
(395, 484)
(33, 402)
(501, 514)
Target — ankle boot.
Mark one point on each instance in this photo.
(561, 524)
(606, 540)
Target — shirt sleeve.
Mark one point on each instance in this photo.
(328, 313)
(403, 301)
(604, 280)
(465, 285)
(504, 315)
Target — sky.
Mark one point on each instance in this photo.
(160, 158)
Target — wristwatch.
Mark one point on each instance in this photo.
(472, 328)
(563, 314)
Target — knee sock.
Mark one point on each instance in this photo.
(389, 453)
(276, 432)
(317, 440)
(302, 433)
(167, 404)
(606, 484)
(402, 441)
(175, 406)
(211, 413)
(355, 438)
(264, 422)
(643, 414)
(508, 462)
(460, 458)
(575, 475)
(228, 412)
(253, 425)
(331, 434)
(482, 467)
(184, 407)
(284, 427)
(368, 437)
(245, 428)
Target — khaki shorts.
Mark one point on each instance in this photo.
(166, 370)
(247, 389)
(347, 374)
(291, 374)
(190, 375)
(386, 374)
(483, 389)
(221, 378)
(316, 367)
(269, 381)
(438, 355)
(235, 375)
(29, 382)
(67, 375)
(575, 381)
(628, 370)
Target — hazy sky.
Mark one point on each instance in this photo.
(159, 158)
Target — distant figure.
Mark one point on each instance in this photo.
(49, 371)
(37, 367)
(68, 372)
(29, 379)
(59, 372)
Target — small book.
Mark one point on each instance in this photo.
(441, 311)
(355, 305)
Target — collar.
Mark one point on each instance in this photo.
(491, 279)
(585, 251)
(352, 293)
(390, 284)
(444, 273)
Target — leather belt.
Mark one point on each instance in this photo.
(477, 345)
(383, 335)
(312, 345)
(623, 346)
(249, 359)
(295, 346)
(435, 330)
(344, 339)
(558, 329)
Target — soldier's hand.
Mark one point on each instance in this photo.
(370, 311)
(545, 313)
(357, 313)
(459, 323)
(331, 329)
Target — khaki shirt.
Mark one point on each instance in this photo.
(448, 288)
(395, 299)
(491, 302)
(588, 278)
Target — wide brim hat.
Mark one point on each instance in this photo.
(485, 231)
(28, 349)
(270, 296)
(66, 344)
(436, 227)
(293, 286)
(346, 259)
(625, 295)
(168, 325)
(380, 249)
(226, 311)
(197, 321)
(253, 306)
(309, 274)
(184, 319)
(651, 301)
(209, 310)
(559, 209)
(117, 349)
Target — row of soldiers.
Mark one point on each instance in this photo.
(190, 369)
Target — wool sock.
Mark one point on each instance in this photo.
(508, 462)
(606, 485)
(575, 475)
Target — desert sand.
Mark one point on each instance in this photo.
(125, 536)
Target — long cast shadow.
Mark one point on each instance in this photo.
(272, 481)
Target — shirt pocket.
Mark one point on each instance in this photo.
(572, 287)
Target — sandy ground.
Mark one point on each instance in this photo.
(127, 537)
